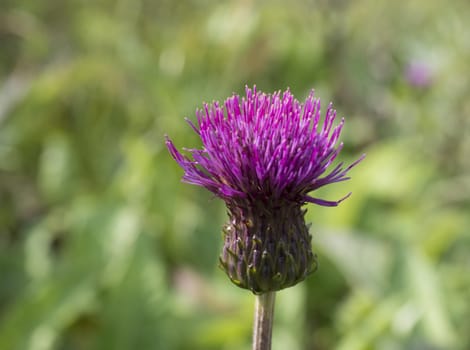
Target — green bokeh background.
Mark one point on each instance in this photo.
(102, 247)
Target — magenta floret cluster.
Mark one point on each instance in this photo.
(265, 147)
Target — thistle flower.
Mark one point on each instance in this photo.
(419, 74)
(263, 154)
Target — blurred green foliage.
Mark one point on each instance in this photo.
(102, 247)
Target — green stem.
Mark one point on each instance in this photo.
(263, 324)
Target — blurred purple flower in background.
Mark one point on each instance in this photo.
(263, 154)
(419, 74)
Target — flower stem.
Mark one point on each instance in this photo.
(263, 324)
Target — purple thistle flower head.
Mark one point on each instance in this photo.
(263, 155)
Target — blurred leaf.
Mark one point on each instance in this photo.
(364, 262)
(427, 292)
